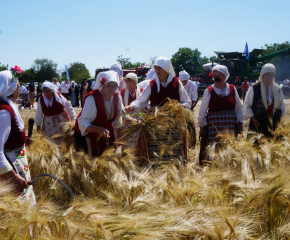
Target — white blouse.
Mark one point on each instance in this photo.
(144, 98)
(5, 129)
(191, 90)
(205, 102)
(248, 112)
(90, 110)
(67, 107)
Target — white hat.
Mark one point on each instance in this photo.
(223, 70)
(8, 84)
(117, 67)
(132, 76)
(151, 74)
(269, 67)
(183, 75)
(104, 78)
(165, 64)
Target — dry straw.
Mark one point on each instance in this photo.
(243, 194)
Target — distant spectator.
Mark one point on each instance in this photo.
(245, 87)
(93, 84)
(85, 89)
(56, 83)
(65, 88)
(286, 87)
(39, 91)
(74, 94)
(24, 91)
(238, 84)
(31, 89)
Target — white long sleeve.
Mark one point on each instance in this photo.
(67, 107)
(205, 103)
(143, 99)
(89, 113)
(247, 110)
(5, 129)
(38, 114)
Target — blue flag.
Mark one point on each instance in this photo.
(247, 51)
(67, 75)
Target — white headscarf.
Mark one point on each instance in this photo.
(8, 85)
(151, 74)
(109, 76)
(167, 66)
(223, 69)
(54, 88)
(183, 75)
(117, 67)
(126, 93)
(269, 67)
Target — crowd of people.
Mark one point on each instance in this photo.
(112, 99)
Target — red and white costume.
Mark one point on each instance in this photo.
(12, 135)
(52, 113)
(220, 111)
(99, 113)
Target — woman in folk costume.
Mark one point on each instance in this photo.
(189, 86)
(53, 109)
(264, 101)
(13, 156)
(74, 94)
(191, 90)
(85, 89)
(130, 94)
(164, 86)
(94, 129)
(220, 111)
(132, 90)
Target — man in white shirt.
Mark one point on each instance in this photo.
(56, 83)
(93, 84)
(65, 88)
(24, 91)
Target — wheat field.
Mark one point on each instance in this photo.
(243, 194)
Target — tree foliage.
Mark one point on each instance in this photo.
(27, 75)
(44, 69)
(126, 63)
(3, 67)
(281, 62)
(189, 60)
(77, 71)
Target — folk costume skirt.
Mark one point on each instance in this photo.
(19, 162)
(53, 124)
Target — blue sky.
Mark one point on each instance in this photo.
(96, 32)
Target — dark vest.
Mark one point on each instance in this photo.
(56, 108)
(98, 147)
(222, 103)
(171, 91)
(16, 138)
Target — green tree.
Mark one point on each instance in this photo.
(212, 58)
(77, 71)
(3, 67)
(44, 69)
(126, 63)
(188, 60)
(27, 75)
(281, 62)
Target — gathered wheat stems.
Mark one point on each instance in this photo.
(243, 194)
